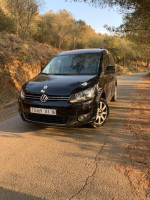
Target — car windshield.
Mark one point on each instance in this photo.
(81, 64)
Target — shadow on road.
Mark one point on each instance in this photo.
(6, 194)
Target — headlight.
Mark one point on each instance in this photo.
(83, 96)
(22, 94)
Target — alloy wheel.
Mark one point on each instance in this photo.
(102, 113)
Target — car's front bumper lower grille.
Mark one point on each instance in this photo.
(46, 119)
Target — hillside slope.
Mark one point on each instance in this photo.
(19, 62)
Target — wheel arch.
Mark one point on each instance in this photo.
(103, 95)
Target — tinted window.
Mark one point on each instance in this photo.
(74, 64)
(105, 62)
(111, 60)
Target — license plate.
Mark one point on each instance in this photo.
(43, 111)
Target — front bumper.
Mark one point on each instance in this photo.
(67, 114)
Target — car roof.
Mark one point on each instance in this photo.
(81, 51)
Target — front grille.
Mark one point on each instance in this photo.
(46, 119)
(50, 98)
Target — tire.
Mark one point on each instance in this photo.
(114, 98)
(101, 115)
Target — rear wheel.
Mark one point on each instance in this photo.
(102, 114)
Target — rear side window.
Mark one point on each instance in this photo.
(105, 61)
(111, 60)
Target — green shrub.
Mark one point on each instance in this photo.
(7, 23)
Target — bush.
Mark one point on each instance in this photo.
(7, 23)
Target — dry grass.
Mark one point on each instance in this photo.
(130, 69)
(137, 165)
(19, 62)
(8, 91)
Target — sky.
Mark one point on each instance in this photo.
(95, 17)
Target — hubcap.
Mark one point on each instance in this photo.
(101, 113)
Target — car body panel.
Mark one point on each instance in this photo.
(59, 84)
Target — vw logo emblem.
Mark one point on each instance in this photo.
(44, 98)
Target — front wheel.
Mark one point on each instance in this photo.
(102, 114)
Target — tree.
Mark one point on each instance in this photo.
(45, 32)
(56, 29)
(23, 11)
(77, 32)
(62, 27)
(6, 23)
(136, 23)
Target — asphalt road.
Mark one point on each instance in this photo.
(68, 163)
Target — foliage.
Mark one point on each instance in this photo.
(135, 27)
(44, 28)
(23, 11)
(63, 31)
(6, 23)
(136, 23)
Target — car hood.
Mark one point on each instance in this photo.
(59, 84)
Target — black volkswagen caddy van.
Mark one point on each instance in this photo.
(73, 89)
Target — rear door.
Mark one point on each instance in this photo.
(112, 76)
(106, 79)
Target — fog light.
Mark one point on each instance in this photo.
(82, 118)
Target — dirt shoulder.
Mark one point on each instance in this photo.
(137, 155)
(19, 62)
(8, 111)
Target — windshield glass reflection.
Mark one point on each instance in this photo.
(74, 64)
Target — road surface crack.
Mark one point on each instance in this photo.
(93, 173)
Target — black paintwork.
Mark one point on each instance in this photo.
(81, 51)
(61, 85)
(65, 85)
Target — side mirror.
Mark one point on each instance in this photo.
(110, 69)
